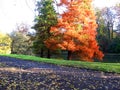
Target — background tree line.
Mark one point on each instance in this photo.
(108, 20)
(21, 43)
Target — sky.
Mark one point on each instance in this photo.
(105, 3)
(14, 12)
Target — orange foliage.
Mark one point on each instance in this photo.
(76, 31)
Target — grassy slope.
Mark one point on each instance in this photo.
(107, 67)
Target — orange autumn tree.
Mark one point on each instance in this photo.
(76, 31)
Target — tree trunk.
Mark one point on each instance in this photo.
(41, 52)
(112, 31)
(108, 24)
(12, 46)
(69, 57)
(48, 53)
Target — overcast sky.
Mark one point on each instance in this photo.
(22, 11)
(15, 11)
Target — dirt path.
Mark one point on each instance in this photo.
(18, 74)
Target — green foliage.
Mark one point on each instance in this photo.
(5, 43)
(114, 46)
(107, 67)
(46, 18)
(103, 42)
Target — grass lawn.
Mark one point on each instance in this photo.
(106, 67)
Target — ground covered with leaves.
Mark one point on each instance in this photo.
(18, 74)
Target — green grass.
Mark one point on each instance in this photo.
(106, 67)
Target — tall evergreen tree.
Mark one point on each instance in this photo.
(46, 18)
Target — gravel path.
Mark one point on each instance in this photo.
(18, 74)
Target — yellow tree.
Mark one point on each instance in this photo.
(76, 31)
(5, 44)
